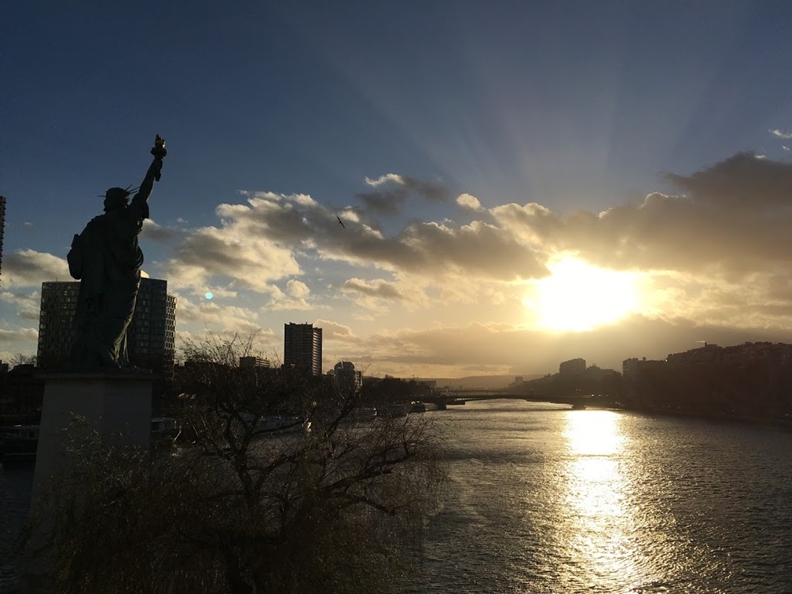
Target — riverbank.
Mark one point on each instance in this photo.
(781, 423)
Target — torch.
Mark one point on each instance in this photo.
(159, 151)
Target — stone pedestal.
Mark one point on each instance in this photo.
(116, 405)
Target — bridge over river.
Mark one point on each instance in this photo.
(463, 395)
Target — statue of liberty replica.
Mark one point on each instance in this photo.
(106, 259)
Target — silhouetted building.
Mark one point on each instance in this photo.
(630, 368)
(709, 353)
(248, 362)
(150, 336)
(302, 347)
(572, 367)
(346, 376)
(747, 380)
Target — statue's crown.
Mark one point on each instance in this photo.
(116, 198)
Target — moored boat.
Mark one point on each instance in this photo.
(19, 442)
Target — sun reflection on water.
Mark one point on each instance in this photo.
(599, 522)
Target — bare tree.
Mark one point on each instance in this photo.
(22, 359)
(275, 485)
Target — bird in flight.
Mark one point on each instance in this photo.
(340, 222)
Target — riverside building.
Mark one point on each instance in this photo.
(302, 348)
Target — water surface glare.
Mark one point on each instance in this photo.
(548, 500)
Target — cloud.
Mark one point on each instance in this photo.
(383, 179)
(29, 268)
(379, 295)
(27, 304)
(385, 203)
(468, 201)
(17, 341)
(388, 202)
(335, 331)
(259, 243)
(782, 135)
(297, 289)
(215, 317)
(376, 288)
(244, 249)
(18, 335)
(295, 297)
(155, 232)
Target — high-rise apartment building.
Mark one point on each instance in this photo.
(302, 347)
(150, 336)
(56, 320)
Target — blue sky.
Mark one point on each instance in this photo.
(574, 106)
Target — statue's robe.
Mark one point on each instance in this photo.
(109, 281)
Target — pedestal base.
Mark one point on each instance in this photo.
(117, 406)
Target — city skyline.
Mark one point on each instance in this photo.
(517, 185)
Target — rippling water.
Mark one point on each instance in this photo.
(16, 484)
(549, 500)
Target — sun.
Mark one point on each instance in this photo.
(579, 297)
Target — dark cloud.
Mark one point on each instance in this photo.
(478, 250)
(389, 201)
(154, 232)
(433, 191)
(734, 218)
(379, 289)
(741, 181)
(385, 202)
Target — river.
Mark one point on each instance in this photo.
(545, 499)
(548, 500)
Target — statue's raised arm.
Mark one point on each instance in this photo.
(154, 170)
